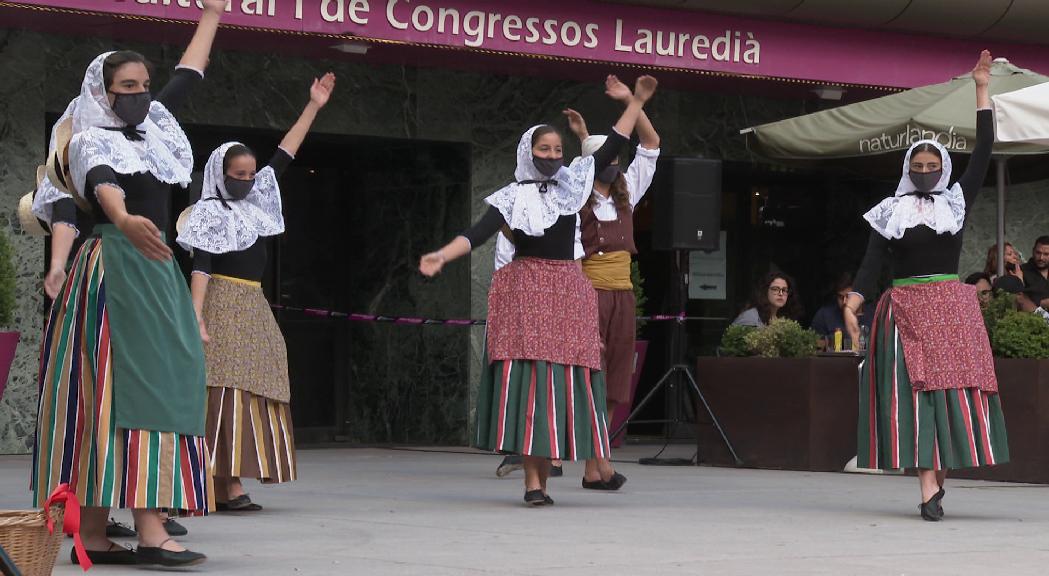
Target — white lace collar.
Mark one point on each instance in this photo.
(165, 151)
(220, 227)
(944, 211)
(526, 208)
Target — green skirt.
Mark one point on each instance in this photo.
(537, 408)
(937, 430)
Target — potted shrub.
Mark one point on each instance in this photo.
(8, 340)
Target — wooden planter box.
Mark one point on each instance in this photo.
(1024, 389)
(800, 414)
(782, 413)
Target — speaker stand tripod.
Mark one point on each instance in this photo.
(678, 371)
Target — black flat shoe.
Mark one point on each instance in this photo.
(536, 498)
(556, 471)
(929, 511)
(160, 557)
(548, 500)
(241, 503)
(614, 483)
(115, 555)
(117, 530)
(938, 500)
(174, 528)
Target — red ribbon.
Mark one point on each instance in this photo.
(71, 523)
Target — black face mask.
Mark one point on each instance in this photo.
(132, 108)
(548, 166)
(608, 175)
(926, 181)
(238, 189)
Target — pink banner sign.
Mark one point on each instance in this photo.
(605, 32)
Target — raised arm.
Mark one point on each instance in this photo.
(320, 92)
(980, 159)
(644, 89)
(576, 123)
(646, 132)
(196, 54)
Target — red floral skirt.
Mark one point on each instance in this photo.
(543, 310)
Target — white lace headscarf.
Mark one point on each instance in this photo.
(943, 211)
(527, 209)
(47, 193)
(221, 227)
(164, 151)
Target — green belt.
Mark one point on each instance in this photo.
(924, 279)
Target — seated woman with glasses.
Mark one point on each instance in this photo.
(774, 298)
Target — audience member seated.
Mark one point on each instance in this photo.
(774, 297)
(984, 290)
(830, 316)
(1013, 262)
(1036, 272)
(1026, 298)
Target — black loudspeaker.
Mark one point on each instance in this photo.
(686, 192)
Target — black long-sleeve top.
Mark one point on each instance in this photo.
(921, 251)
(144, 194)
(558, 241)
(249, 263)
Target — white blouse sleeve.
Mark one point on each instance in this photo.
(640, 173)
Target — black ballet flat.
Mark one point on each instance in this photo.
(938, 499)
(612, 484)
(115, 555)
(536, 498)
(548, 500)
(158, 556)
(929, 511)
(556, 471)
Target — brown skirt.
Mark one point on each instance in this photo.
(250, 436)
(618, 323)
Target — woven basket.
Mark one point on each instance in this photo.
(24, 536)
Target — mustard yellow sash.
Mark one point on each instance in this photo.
(251, 283)
(609, 271)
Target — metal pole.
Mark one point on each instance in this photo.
(1000, 170)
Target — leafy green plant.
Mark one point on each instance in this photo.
(734, 343)
(639, 293)
(780, 339)
(1021, 335)
(1001, 305)
(7, 281)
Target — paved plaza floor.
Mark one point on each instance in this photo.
(443, 512)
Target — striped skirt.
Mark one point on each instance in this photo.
(77, 441)
(542, 409)
(250, 436)
(937, 430)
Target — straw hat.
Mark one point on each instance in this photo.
(29, 222)
(58, 161)
(183, 218)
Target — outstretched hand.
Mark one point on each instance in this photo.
(645, 88)
(576, 123)
(216, 6)
(982, 71)
(431, 264)
(321, 89)
(616, 90)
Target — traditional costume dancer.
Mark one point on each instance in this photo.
(928, 393)
(249, 428)
(607, 224)
(543, 395)
(121, 415)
